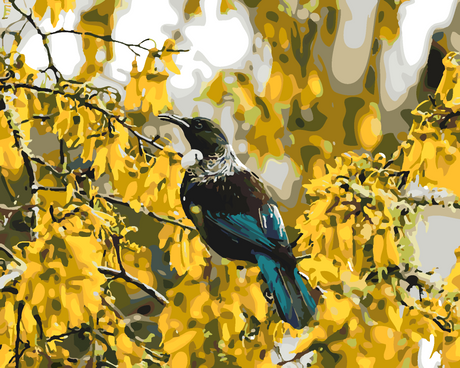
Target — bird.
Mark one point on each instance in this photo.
(237, 217)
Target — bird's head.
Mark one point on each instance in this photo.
(202, 134)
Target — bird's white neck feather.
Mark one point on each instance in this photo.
(212, 168)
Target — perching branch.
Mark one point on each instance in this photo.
(132, 280)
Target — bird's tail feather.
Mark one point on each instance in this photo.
(292, 299)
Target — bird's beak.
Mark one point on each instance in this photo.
(175, 120)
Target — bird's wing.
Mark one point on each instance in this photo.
(267, 232)
(272, 224)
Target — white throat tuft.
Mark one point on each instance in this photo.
(191, 158)
(215, 167)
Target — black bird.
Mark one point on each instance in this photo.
(237, 218)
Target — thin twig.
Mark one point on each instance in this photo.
(27, 163)
(41, 161)
(8, 75)
(53, 218)
(146, 212)
(10, 289)
(128, 278)
(21, 305)
(44, 38)
(105, 364)
(104, 332)
(7, 251)
(116, 244)
(109, 38)
(440, 325)
(156, 354)
(7, 29)
(112, 306)
(83, 101)
(67, 334)
(35, 189)
(394, 158)
(39, 325)
(140, 136)
(445, 121)
(61, 152)
(141, 147)
(404, 175)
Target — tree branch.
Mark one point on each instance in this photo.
(146, 212)
(116, 244)
(84, 102)
(30, 18)
(67, 334)
(110, 39)
(394, 157)
(445, 121)
(25, 157)
(7, 29)
(39, 325)
(157, 355)
(140, 136)
(128, 278)
(41, 161)
(17, 355)
(442, 325)
(36, 188)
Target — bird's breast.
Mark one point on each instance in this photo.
(232, 194)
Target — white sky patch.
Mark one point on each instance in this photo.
(69, 20)
(65, 51)
(426, 357)
(227, 124)
(440, 230)
(418, 20)
(215, 41)
(144, 19)
(46, 25)
(262, 62)
(223, 42)
(177, 144)
(186, 79)
(34, 52)
(242, 147)
(275, 173)
(421, 19)
(355, 29)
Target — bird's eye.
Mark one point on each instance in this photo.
(198, 125)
